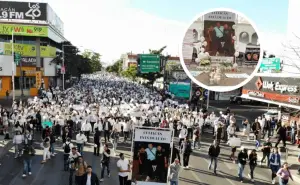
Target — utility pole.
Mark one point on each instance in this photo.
(207, 100)
(13, 66)
(22, 79)
(63, 65)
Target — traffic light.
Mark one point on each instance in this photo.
(23, 73)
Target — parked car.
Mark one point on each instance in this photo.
(239, 100)
(271, 114)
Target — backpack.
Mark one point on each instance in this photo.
(67, 148)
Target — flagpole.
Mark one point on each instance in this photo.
(13, 66)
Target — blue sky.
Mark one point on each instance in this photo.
(267, 14)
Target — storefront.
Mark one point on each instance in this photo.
(284, 92)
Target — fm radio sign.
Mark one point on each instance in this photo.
(23, 10)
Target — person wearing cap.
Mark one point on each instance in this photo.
(242, 160)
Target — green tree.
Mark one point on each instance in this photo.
(94, 60)
(130, 72)
(115, 67)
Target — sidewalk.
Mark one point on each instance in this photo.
(292, 159)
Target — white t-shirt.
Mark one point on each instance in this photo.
(123, 165)
(88, 180)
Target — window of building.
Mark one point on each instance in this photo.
(29, 82)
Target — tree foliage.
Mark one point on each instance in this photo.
(115, 67)
(130, 72)
(75, 63)
(93, 60)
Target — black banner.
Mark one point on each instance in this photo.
(30, 61)
(23, 10)
(252, 55)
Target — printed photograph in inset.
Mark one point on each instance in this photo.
(221, 50)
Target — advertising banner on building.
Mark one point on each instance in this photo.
(24, 30)
(151, 156)
(218, 33)
(23, 10)
(180, 84)
(270, 65)
(29, 61)
(38, 79)
(6, 65)
(54, 20)
(149, 63)
(285, 90)
(29, 50)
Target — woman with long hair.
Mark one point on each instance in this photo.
(284, 174)
(252, 163)
(275, 163)
(80, 166)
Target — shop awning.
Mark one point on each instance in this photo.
(246, 96)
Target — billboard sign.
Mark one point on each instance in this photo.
(252, 55)
(23, 10)
(149, 63)
(24, 30)
(29, 50)
(38, 78)
(180, 89)
(30, 61)
(151, 155)
(269, 65)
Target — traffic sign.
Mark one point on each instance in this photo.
(198, 93)
(149, 63)
(63, 70)
(206, 93)
(270, 65)
(17, 58)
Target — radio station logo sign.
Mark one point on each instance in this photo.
(256, 94)
(277, 86)
(24, 30)
(23, 10)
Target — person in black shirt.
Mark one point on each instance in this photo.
(142, 156)
(162, 164)
(105, 162)
(175, 154)
(214, 152)
(97, 138)
(266, 151)
(242, 160)
(252, 163)
(70, 122)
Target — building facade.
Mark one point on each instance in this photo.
(36, 32)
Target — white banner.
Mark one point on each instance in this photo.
(155, 136)
(6, 65)
(220, 16)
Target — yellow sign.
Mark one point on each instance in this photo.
(38, 79)
(29, 50)
(24, 30)
(29, 71)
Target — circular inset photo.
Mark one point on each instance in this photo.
(220, 50)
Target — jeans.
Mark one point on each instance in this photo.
(293, 137)
(106, 135)
(252, 167)
(52, 148)
(115, 144)
(196, 142)
(268, 158)
(27, 165)
(104, 165)
(123, 180)
(215, 160)
(18, 150)
(173, 182)
(80, 148)
(241, 170)
(282, 182)
(66, 162)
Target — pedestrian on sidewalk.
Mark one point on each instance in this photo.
(115, 135)
(97, 142)
(183, 134)
(213, 153)
(281, 132)
(246, 130)
(46, 147)
(80, 167)
(174, 172)
(293, 132)
(90, 178)
(196, 138)
(284, 174)
(80, 140)
(105, 162)
(67, 150)
(256, 128)
(186, 150)
(242, 161)
(17, 141)
(124, 169)
(27, 160)
(275, 163)
(252, 164)
(267, 146)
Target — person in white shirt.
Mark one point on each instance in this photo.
(17, 141)
(124, 169)
(126, 130)
(87, 129)
(80, 140)
(183, 134)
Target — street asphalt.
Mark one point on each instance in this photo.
(52, 172)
